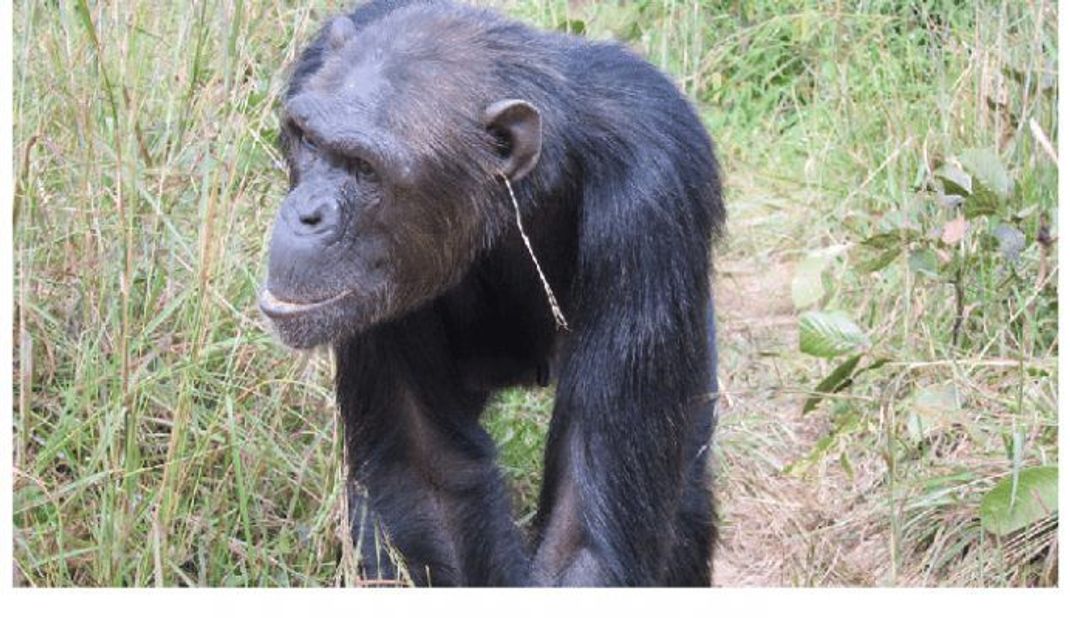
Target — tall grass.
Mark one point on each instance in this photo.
(163, 438)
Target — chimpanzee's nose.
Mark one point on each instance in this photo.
(313, 218)
(310, 215)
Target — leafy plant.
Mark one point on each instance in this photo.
(827, 334)
(1020, 500)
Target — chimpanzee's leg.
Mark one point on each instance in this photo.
(626, 488)
(695, 529)
(376, 564)
(415, 444)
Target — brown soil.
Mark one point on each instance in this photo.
(778, 529)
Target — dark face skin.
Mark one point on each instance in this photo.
(388, 198)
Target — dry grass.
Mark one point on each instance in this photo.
(821, 523)
(163, 438)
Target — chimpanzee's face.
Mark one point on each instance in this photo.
(389, 187)
(356, 240)
(329, 258)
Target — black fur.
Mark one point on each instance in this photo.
(622, 209)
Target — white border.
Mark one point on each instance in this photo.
(7, 297)
(590, 603)
(1063, 253)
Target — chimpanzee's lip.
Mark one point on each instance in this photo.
(278, 309)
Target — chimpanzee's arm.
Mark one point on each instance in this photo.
(415, 444)
(634, 391)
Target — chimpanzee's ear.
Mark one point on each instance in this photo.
(518, 127)
(340, 31)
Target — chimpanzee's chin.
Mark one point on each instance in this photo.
(302, 343)
(304, 325)
(301, 335)
(322, 326)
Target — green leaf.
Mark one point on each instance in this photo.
(924, 262)
(1017, 501)
(829, 334)
(877, 364)
(955, 179)
(992, 184)
(982, 203)
(839, 379)
(894, 238)
(845, 463)
(871, 262)
(988, 170)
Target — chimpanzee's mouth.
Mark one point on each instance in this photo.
(277, 309)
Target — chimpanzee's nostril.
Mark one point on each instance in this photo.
(315, 217)
(311, 219)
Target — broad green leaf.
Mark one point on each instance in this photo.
(1014, 503)
(839, 379)
(924, 262)
(982, 202)
(829, 334)
(986, 168)
(955, 179)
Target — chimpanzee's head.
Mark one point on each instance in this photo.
(396, 138)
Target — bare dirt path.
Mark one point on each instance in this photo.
(778, 529)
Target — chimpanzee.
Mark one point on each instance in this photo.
(427, 142)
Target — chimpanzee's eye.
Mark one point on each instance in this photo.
(360, 167)
(308, 144)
